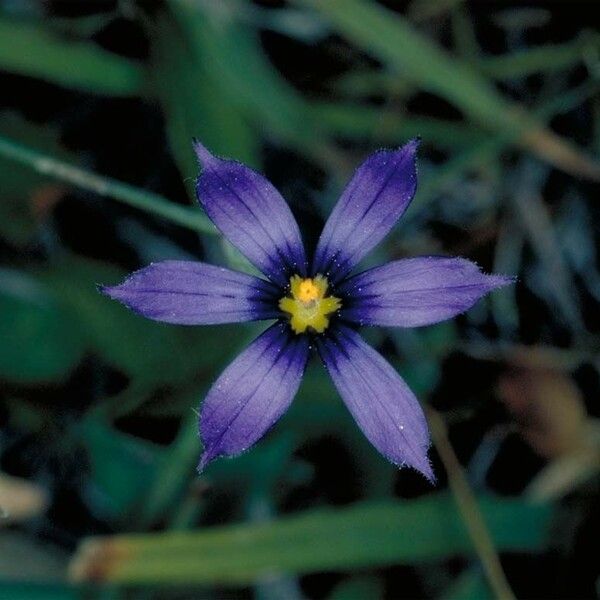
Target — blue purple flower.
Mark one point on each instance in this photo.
(316, 303)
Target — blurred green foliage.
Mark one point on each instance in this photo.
(208, 75)
(41, 341)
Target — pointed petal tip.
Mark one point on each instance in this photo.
(419, 462)
(205, 157)
(118, 293)
(414, 143)
(250, 213)
(114, 292)
(252, 393)
(378, 194)
(499, 281)
(426, 470)
(205, 460)
(409, 149)
(107, 290)
(208, 456)
(417, 291)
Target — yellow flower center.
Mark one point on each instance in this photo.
(307, 305)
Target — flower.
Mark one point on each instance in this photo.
(317, 303)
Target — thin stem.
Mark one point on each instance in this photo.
(107, 186)
(469, 509)
(546, 59)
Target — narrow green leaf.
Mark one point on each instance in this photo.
(27, 49)
(391, 38)
(356, 121)
(18, 217)
(193, 218)
(238, 62)
(196, 104)
(360, 536)
(540, 59)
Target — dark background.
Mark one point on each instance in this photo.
(97, 406)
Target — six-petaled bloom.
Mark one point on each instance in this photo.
(316, 304)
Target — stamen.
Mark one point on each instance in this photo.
(307, 291)
(308, 307)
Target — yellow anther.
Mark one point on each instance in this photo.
(308, 306)
(307, 291)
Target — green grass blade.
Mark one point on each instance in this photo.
(106, 186)
(389, 37)
(195, 103)
(544, 59)
(362, 122)
(239, 65)
(360, 536)
(22, 187)
(27, 49)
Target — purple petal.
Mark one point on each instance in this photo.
(415, 291)
(252, 215)
(373, 201)
(252, 393)
(379, 400)
(194, 293)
